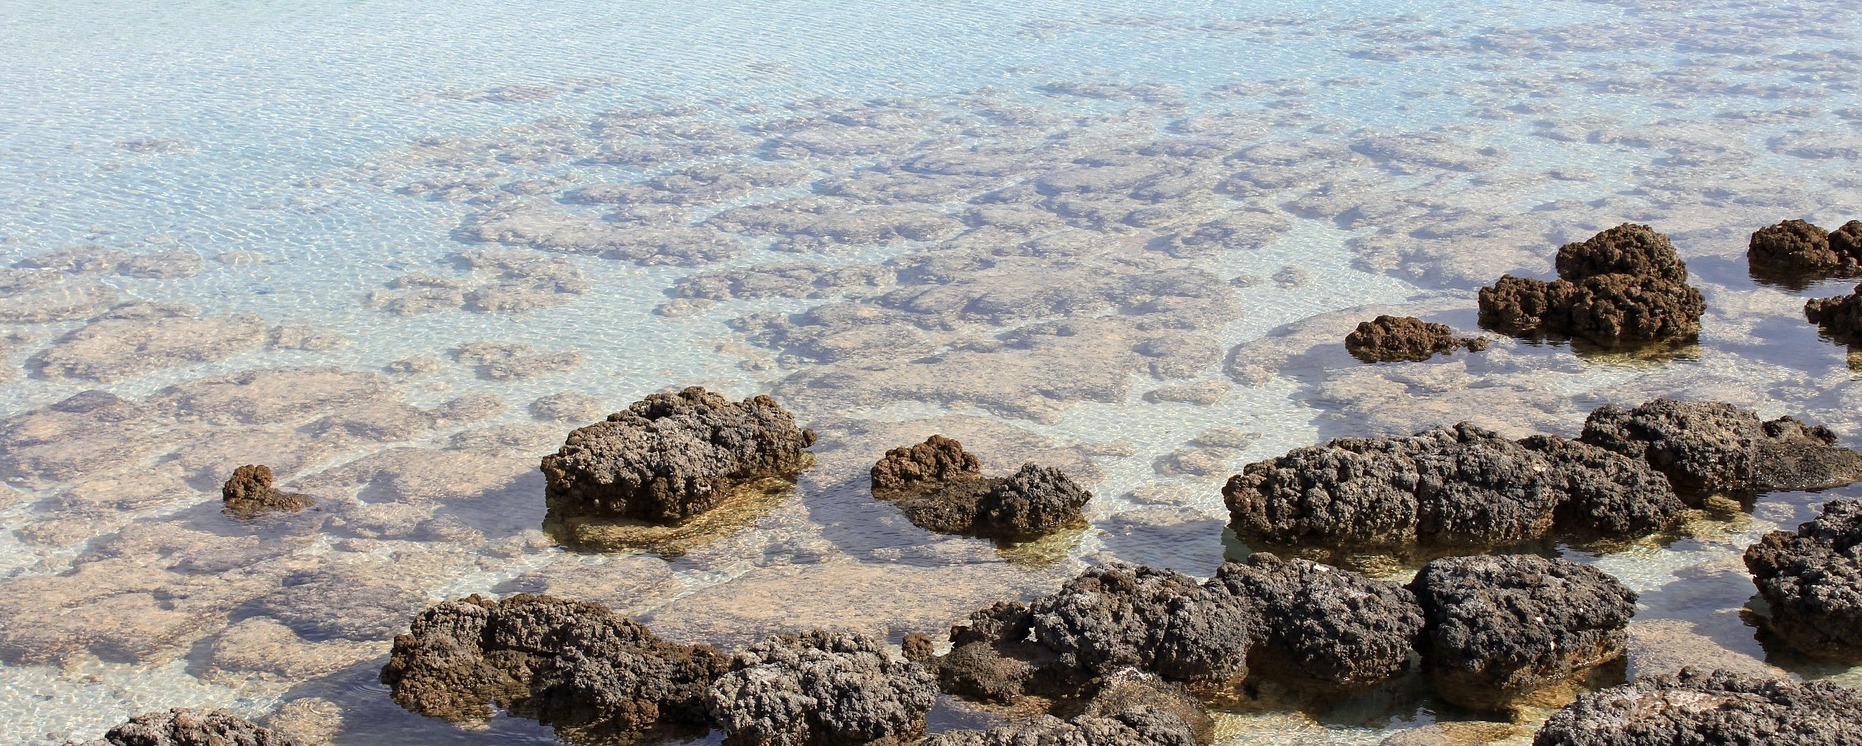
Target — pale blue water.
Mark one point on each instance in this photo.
(300, 135)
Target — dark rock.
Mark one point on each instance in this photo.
(1403, 338)
(1839, 318)
(1504, 628)
(1707, 448)
(937, 460)
(250, 493)
(1795, 253)
(1812, 580)
(821, 689)
(1847, 241)
(1701, 707)
(1130, 708)
(672, 456)
(940, 488)
(1034, 501)
(1321, 625)
(1457, 485)
(993, 658)
(193, 727)
(1120, 615)
(569, 664)
(1624, 287)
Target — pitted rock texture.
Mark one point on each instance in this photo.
(1321, 625)
(1709, 707)
(1839, 318)
(940, 487)
(572, 665)
(1128, 708)
(1120, 615)
(249, 492)
(1625, 287)
(993, 658)
(821, 689)
(1707, 448)
(1406, 339)
(669, 457)
(1503, 627)
(1795, 253)
(1457, 485)
(1812, 580)
(193, 727)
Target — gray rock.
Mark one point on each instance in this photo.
(1702, 707)
(1812, 580)
(193, 727)
(821, 689)
(1714, 448)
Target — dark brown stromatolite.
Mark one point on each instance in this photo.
(940, 487)
(249, 492)
(1406, 339)
(1625, 287)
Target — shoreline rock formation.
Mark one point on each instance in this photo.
(185, 726)
(940, 487)
(821, 689)
(1406, 339)
(1795, 253)
(670, 457)
(1713, 448)
(1623, 288)
(1812, 580)
(1839, 318)
(1709, 707)
(249, 493)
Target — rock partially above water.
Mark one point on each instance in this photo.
(1702, 707)
(1322, 626)
(1502, 629)
(1623, 288)
(1119, 616)
(1403, 338)
(1795, 253)
(1707, 448)
(193, 727)
(1839, 318)
(670, 457)
(1812, 580)
(1130, 708)
(940, 487)
(249, 493)
(821, 689)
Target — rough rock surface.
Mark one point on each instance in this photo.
(1715, 448)
(1129, 708)
(1323, 626)
(570, 664)
(1119, 616)
(1797, 250)
(940, 487)
(992, 657)
(249, 492)
(1503, 627)
(1624, 287)
(193, 727)
(1403, 338)
(1457, 485)
(1812, 580)
(821, 689)
(672, 456)
(1839, 318)
(1703, 707)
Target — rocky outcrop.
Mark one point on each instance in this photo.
(249, 493)
(1709, 448)
(1129, 708)
(1457, 485)
(193, 727)
(1839, 318)
(940, 487)
(1403, 338)
(669, 457)
(1507, 628)
(821, 689)
(1321, 627)
(1703, 707)
(1623, 288)
(1119, 616)
(1795, 253)
(1812, 580)
(572, 665)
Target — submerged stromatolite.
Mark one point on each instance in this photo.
(249, 492)
(1404, 338)
(669, 457)
(1812, 580)
(1716, 448)
(821, 689)
(1514, 628)
(940, 487)
(1709, 707)
(1624, 287)
(193, 727)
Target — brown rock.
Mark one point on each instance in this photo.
(1403, 338)
(250, 493)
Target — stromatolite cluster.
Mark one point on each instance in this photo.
(1795, 253)
(940, 487)
(249, 493)
(1713, 448)
(1406, 339)
(1625, 287)
(1812, 581)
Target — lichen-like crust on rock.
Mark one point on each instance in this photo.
(1624, 287)
(1709, 707)
(1839, 318)
(821, 689)
(672, 456)
(1404, 338)
(1324, 625)
(1457, 485)
(573, 665)
(1501, 628)
(249, 492)
(1812, 580)
(193, 727)
(940, 487)
(1120, 615)
(1707, 448)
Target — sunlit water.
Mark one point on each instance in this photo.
(257, 183)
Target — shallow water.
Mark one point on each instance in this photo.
(288, 188)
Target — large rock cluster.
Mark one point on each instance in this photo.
(249, 493)
(1708, 448)
(1709, 707)
(1624, 287)
(1812, 580)
(669, 457)
(1795, 253)
(940, 487)
(1406, 339)
(192, 727)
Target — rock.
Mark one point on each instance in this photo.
(249, 493)
(669, 457)
(1795, 253)
(940, 488)
(1712, 448)
(1709, 707)
(1457, 485)
(938, 459)
(1504, 628)
(193, 727)
(1323, 626)
(1839, 318)
(993, 658)
(821, 689)
(1624, 287)
(1129, 708)
(569, 664)
(362, 602)
(1119, 616)
(1402, 338)
(1812, 580)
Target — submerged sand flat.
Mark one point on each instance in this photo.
(396, 253)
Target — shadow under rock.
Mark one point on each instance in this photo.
(1192, 545)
